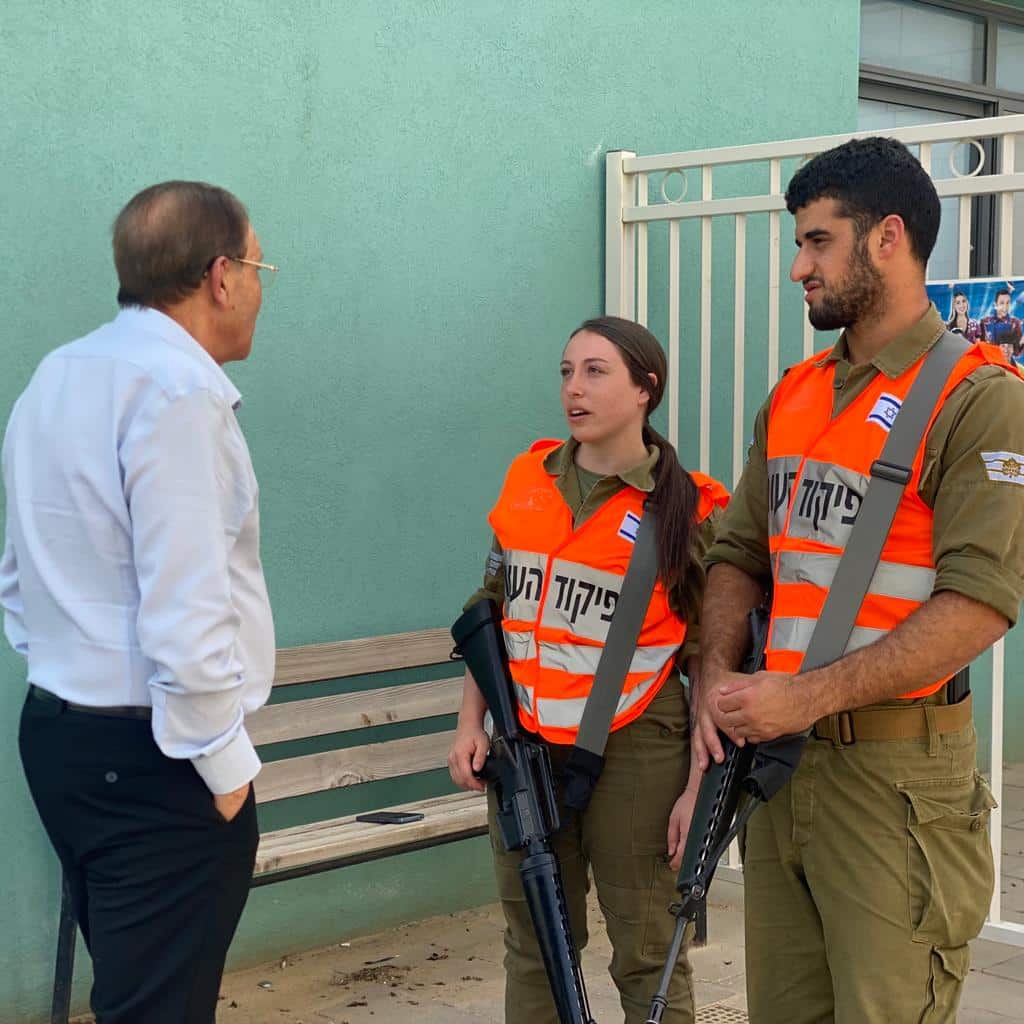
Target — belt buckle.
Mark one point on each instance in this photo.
(841, 727)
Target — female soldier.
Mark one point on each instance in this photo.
(566, 522)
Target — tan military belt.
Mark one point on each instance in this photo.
(893, 723)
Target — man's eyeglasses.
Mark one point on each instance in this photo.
(265, 279)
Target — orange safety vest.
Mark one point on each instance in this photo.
(818, 472)
(561, 587)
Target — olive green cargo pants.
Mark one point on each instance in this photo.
(621, 838)
(864, 879)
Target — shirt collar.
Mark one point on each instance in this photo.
(160, 325)
(559, 462)
(902, 352)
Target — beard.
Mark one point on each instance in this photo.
(857, 297)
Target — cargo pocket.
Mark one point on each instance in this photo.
(657, 761)
(949, 969)
(634, 903)
(950, 873)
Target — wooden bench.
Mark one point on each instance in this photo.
(318, 846)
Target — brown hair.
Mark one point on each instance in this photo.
(675, 494)
(167, 236)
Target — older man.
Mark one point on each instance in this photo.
(131, 583)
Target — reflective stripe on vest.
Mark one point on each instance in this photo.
(891, 579)
(579, 660)
(524, 697)
(793, 634)
(520, 645)
(818, 473)
(567, 712)
(562, 585)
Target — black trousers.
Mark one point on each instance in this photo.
(158, 878)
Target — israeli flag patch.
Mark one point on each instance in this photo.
(629, 527)
(885, 410)
(1007, 467)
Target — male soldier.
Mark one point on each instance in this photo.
(869, 872)
(131, 582)
(1002, 329)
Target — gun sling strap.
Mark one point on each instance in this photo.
(586, 759)
(890, 474)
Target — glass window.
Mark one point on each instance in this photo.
(912, 36)
(1010, 58)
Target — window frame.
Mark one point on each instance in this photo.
(985, 92)
(909, 88)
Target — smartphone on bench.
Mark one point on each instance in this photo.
(390, 817)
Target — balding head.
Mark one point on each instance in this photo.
(168, 235)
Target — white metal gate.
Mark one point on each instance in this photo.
(634, 282)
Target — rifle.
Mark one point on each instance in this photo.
(754, 772)
(519, 769)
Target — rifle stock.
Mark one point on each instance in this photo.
(519, 770)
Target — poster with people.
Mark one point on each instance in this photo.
(986, 309)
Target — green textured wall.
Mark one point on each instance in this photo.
(430, 177)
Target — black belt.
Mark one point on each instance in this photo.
(123, 711)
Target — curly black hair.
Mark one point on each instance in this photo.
(871, 179)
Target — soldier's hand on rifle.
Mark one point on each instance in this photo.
(761, 707)
(704, 742)
(467, 755)
(709, 719)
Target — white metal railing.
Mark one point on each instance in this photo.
(628, 290)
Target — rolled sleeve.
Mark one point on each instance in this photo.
(741, 538)
(493, 588)
(187, 496)
(978, 538)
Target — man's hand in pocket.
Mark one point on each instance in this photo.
(229, 804)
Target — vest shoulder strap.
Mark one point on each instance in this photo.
(623, 633)
(586, 759)
(545, 444)
(712, 494)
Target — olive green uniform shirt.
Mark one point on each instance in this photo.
(978, 531)
(585, 492)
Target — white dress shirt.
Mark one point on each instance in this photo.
(131, 571)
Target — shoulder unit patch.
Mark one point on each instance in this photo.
(1007, 467)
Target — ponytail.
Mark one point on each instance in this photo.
(675, 499)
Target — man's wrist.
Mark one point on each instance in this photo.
(714, 663)
(819, 693)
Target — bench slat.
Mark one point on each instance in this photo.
(333, 769)
(343, 712)
(315, 662)
(343, 837)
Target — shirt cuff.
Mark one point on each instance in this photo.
(231, 767)
(982, 580)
